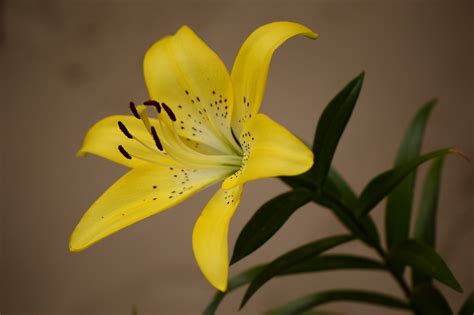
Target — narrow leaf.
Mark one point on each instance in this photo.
(320, 312)
(267, 221)
(364, 227)
(292, 258)
(427, 300)
(379, 187)
(337, 184)
(334, 262)
(424, 259)
(400, 200)
(308, 302)
(331, 125)
(339, 189)
(344, 210)
(468, 306)
(316, 264)
(305, 180)
(425, 226)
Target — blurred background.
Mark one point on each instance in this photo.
(67, 64)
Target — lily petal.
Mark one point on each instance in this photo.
(105, 136)
(269, 150)
(249, 73)
(142, 192)
(210, 236)
(182, 71)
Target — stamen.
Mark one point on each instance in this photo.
(169, 111)
(124, 152)
(235, 138)
(155, 104)
(124, 130)
(157, 140)
(134, 110)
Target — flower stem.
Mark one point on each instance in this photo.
(374, 244)
(397, 276)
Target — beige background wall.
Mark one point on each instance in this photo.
(66, 64)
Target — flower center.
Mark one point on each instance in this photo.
(166, 146)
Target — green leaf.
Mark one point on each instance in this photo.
(339, 190)
(468, 306)
(233, 284)
(308, 302)
(316, 264)
(267, 221)
(424, 259)
(335, 184)
(334, 262)
(320, 312)
(427, 300)
(379, 187)
(331, 125)
(363, 227)
(338, 185)
(400, 200)
(305, 180)
(292, 258)
(425, 226)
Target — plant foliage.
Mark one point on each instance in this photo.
(325, 186)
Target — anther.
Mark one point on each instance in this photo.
(153, 103)
(124, 152)
(157, 140)
(169, 111)
(124, 130)
(134, 110)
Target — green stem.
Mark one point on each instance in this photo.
(372, 243)
(398, 277)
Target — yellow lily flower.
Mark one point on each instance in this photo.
(207, 128)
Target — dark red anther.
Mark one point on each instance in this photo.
(124, 152)
(124, 130)
(156, 138)
(169, 111)
(153, 103)
(133, 108)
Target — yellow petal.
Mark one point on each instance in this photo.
(210, 236)
(182, 71)
(249, 73)
(105, 136)
(269, 150)
(142, 192)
